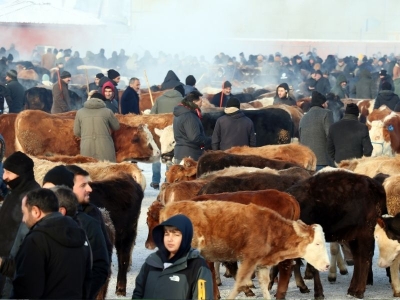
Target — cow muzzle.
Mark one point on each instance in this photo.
(167, 157)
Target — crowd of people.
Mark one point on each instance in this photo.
(44, 227)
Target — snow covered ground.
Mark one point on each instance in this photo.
(380, 290)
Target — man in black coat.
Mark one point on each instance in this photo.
(19, 177)
(322, 84)
(68, 203)
(16, 92)
(349, 138)
(225, 94)
(130, 97)
(386, 97)
(53, 261)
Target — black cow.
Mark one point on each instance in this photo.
(347, 206)
(272, 125)
(122, 196)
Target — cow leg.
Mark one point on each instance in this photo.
(124, 246)
(334, 248)
(285, 270)
(308, 273)
(272, 275)
(244, 273)
(318, 289)
(217, 266)
(394, 273)
(216, 294)
(299, 279)
(230, 269)
(263, 278)
(340, 261)
(362, 249)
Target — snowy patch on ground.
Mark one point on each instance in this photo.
(380, 290)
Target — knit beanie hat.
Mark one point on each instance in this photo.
(387, 86)
(98, 96)
(112, 74)
(12, 73)
(233, 102)
(60, 175)
(19, 163)
(190, 80)
(99, 75)
(65, 74)
(352, 109)
(317, 99)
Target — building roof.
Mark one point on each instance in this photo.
(42, 12)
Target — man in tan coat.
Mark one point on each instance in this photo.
(61, 100)
(48, 59)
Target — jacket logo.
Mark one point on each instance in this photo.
(174, 278)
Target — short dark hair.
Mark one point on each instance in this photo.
(77, 170)
(193, 96)
(67, 199)
(45, 199)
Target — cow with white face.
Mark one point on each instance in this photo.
(379, 132)
(387, 236)
(167, 142)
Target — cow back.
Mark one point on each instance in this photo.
(7, 130)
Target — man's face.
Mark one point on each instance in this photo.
(343, 84)
(117, 79)
(172, 240)
(317, 76)
(108, 93)
(8, 78)
(28, 215)
(136, 85)
(340, 63)
(82, 188)
(227, 90)
(67, 80)
(96, 81)
(8, 175)
(281, 92)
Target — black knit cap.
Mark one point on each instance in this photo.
(19, 163)
(352, 109)
(98, 96)
(65, 74)
(112, 74)
(233, 102)
(12, 73)
(99, 75)
(284, 85)
(317, 99)
(190, 80)
(60, 175)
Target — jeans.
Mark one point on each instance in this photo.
(156, 167)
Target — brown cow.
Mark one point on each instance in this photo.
(280, 202)
(218, 160)
(69, 160)
(8, 132)
(372, 166)
(379, 131)
(295, 153)
(184, 172)
(254, 244)
(55, 136)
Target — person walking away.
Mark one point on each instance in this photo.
(16, 92)
(165, 104)
(233, 129)
(387, 97)
(94, 124)
(314, 129)
(190, 84)
(61, 99)
(190, 138)
(175, 271)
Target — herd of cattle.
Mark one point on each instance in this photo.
(288, 209)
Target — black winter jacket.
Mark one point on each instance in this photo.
(387, 98)
(17, 93)
(348, 139)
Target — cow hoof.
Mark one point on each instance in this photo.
(304, 290)
(120, 292)
(396, 294)
(249, 293)
(356, 295)
(218, 282)
(228, 275)
(319, 297)
(332, 278)
(345, 272)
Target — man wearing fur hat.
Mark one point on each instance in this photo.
(349, 138)
(16, 92)
(233, 129)
(61, 99)
(19, 177)
(314, 129)
(282, 95)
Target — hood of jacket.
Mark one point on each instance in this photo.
(172, 94)
(341, 78)
(364, 73)
(94, 103)
(64, 230)
(386, 94)
(185, 226)
(171, 76)
(108, 84)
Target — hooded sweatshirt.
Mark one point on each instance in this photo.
(53, 261)
(110, 104)
(170, 81)
(178, 277)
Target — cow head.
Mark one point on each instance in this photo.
(380, 138)
(392, 126)
(186, 171)
(315, 252)
(167, 142)
(153, 216)
(389, 247)
(135, 143)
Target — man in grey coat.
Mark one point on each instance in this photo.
(165, 104)
(93, 124)
(61, 99)
(314, 129)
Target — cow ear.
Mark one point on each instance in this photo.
(158, 131)
(140, 127)
(380, 222)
